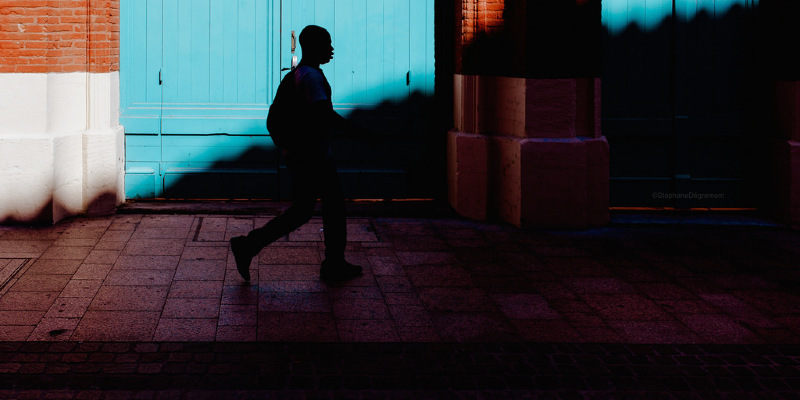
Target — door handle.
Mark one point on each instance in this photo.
(294, 42)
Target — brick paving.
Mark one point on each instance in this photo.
(146, 306)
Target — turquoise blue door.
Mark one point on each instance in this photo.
(197, 78)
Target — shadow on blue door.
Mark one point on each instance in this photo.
(199, 132)
(408, 162)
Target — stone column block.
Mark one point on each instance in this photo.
(787, 109)
(467, 173)
(550, 108)
(794, 184)
(587, 107)
(505, 178)
(504, 110)
(597, 181)
(535, 150)
(549, 183)
(554, 183)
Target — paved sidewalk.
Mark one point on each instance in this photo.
(504, 313)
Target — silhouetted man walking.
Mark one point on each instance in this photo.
(311, 167)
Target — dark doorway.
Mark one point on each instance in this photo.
(680, 107)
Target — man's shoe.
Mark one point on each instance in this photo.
(242, 256)
(334, 271)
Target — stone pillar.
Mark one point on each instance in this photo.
(526, 145)
(61, 148)
(787, 151)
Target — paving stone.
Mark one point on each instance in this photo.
(290, 255)
(68, 307)
(719, 328)
(22, 248)
(154, 247)
(27, 301)
(92, 271)
(66, 253)
(195, 289)
(296, 327)
(81, 288)
(439, 276)
(456, 300)
(621, 307)
(289, 272)
(205, 253)
(524, 306)
(54, 267)
(186, 329)
(389, 265)
(408, 298)
(294, 302)
(394, 284)
(200, 270)
(654, 332)
(101, 326)
(129, 298)
(473, 327)
(367, 330)
(98, 256)
(139, 278)
(40, 283)
(191, 308)
(147, 262)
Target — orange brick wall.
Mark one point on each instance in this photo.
(475, 18)
(59, 36)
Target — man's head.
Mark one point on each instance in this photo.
(316, 44)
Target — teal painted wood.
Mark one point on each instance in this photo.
(375, 43)
(235, 98)
(140, 94)
(220, 63)
(214, 58)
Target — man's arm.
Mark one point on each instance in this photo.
(323, 110)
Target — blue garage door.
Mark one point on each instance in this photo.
(197, 77)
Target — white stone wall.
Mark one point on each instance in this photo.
(61, 145)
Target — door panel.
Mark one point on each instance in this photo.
(194, 109)
(140, 93)
(215, 65)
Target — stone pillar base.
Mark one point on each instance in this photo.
(467, 173)
(534, 155)
(787, 152)
(787, 157)
(529, 182)
(61, 146)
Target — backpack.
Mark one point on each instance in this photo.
(282, 112)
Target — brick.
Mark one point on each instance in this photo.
(41, 25)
